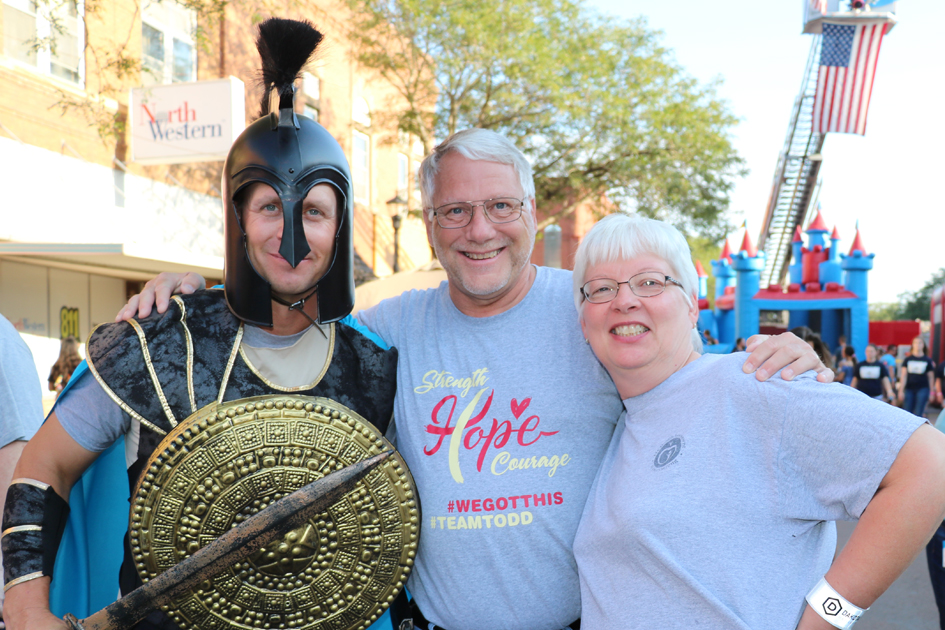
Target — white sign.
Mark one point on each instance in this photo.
(186, 122)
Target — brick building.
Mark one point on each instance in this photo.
(82, 224)
(557, 243)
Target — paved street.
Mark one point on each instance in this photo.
(907, 605)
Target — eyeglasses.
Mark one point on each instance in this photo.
(646, 284)
(460, 213)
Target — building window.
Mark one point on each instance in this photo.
(361, 168)
(311, 86)
(168, 54)
(50, 38)
(310, 112)
(552, 238)
(361, 112)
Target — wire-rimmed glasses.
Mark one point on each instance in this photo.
(646, 284)
(460, 213)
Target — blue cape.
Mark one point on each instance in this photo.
(85, 579)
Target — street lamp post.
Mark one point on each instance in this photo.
(395, 208)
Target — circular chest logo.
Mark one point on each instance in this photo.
(668, 452)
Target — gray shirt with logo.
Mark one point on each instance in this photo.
(503, 421)
(712, 507)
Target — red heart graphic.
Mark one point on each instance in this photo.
(517, 408)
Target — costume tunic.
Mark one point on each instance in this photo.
(713, 504)
(190, 348)
(503, 421)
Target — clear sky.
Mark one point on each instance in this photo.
(892, 179)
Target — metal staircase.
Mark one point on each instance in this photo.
(795, 187)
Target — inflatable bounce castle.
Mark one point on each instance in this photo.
(827, 291)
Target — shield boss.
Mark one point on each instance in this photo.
(225, 463)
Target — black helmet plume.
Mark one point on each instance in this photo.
(290, 154)
(284, 46)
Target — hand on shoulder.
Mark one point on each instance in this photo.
(786, 352)
(157, 294)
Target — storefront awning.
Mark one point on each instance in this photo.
(130, 261)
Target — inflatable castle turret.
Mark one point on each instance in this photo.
(857, 265)
(827, 290)
(748, 264)
(721, 322)
(796, 275)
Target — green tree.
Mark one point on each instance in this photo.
(883, 311)
(918, 304)
(596, 103)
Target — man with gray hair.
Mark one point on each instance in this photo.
(502, 411)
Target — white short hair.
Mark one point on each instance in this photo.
(475, 144)
(621, 236)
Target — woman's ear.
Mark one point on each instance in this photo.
(694, 309)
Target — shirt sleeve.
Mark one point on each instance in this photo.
(382, 319)
(837, 444)
(89, 415)
(22, 411)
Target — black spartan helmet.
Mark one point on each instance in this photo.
(290, 154)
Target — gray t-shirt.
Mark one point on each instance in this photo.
(712, 505)
(95, 421)
(21, 413)
(503, 422)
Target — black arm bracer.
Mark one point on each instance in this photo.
(34, 518)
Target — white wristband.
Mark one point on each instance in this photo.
(833, 606)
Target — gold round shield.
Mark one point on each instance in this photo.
(228, 461)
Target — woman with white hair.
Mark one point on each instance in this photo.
(714, 502)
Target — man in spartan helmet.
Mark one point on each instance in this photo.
(233, 398)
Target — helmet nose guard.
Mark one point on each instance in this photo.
(294, 247)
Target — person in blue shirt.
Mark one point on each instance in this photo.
(889, 360)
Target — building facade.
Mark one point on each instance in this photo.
(83, 225)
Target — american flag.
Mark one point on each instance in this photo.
(845, 79)
(820, 6)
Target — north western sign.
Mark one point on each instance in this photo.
(186, 122)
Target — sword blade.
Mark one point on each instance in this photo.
(242, 541)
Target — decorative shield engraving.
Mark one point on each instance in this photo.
(225, 463)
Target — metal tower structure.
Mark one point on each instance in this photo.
(793, 191)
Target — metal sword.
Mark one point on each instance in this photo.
(240, 542)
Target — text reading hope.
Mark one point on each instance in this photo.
(467, 434)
